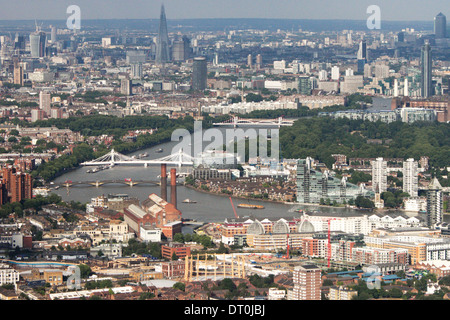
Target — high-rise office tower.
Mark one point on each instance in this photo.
(53, 34)
(249, 61)
(410, 177)
(19, 42)
(362, 51)
(440, 26)
(362, 56)
(178, 50)
(379, 174)
(425, 68)
(307, 283)
(181, 49)
(199, 74)
(162, 45)
(434, 204)
(45, 102)
(187, 47)
(37, 44)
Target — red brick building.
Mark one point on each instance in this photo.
(15, 186)
(173, 269)
(179, 249)
(154, 211)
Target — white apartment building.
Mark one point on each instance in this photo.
(410, 177)
(335, 74)
(379, 175)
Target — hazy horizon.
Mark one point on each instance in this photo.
(355, 10)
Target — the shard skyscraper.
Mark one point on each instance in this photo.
(162, 45)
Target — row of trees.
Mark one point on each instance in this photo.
(99, 124)
(321, 137)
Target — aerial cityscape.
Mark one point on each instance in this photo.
(223, 158)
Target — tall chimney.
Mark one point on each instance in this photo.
(164, 181)
(173, 186)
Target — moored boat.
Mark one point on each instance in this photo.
(250, 206)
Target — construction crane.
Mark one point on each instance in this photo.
(235, 214)
(329, 240)
(329, 236)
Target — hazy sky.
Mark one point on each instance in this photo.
(187, 9)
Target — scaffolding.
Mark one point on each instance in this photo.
(202, 267)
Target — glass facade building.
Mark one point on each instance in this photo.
(314, 185)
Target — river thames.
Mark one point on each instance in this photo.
(208, 207)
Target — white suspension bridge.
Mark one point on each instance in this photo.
(235, 121)
(112, 158)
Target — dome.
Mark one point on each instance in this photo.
(256, 228)
(306, 226)
(281, 227)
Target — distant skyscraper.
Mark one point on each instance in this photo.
(18, 73)
(362, 51)
(45, 102)
(362, 56)
(379, 175)
(434, 204)
(440, 26)
(199, 74)
(181, 49)
(410, 177)
(19, 42)
(425, 67)
(53, 34)
(136, 70)
(125, 87)
(162, 45)
(258, 61)
(37, 44)
(178, 50)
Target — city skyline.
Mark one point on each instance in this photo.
(202, 9)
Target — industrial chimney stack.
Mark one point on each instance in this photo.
(164, 181)
(173, 187)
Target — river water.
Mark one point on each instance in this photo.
(209, 208)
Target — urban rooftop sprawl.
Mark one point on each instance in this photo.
(353, 206)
